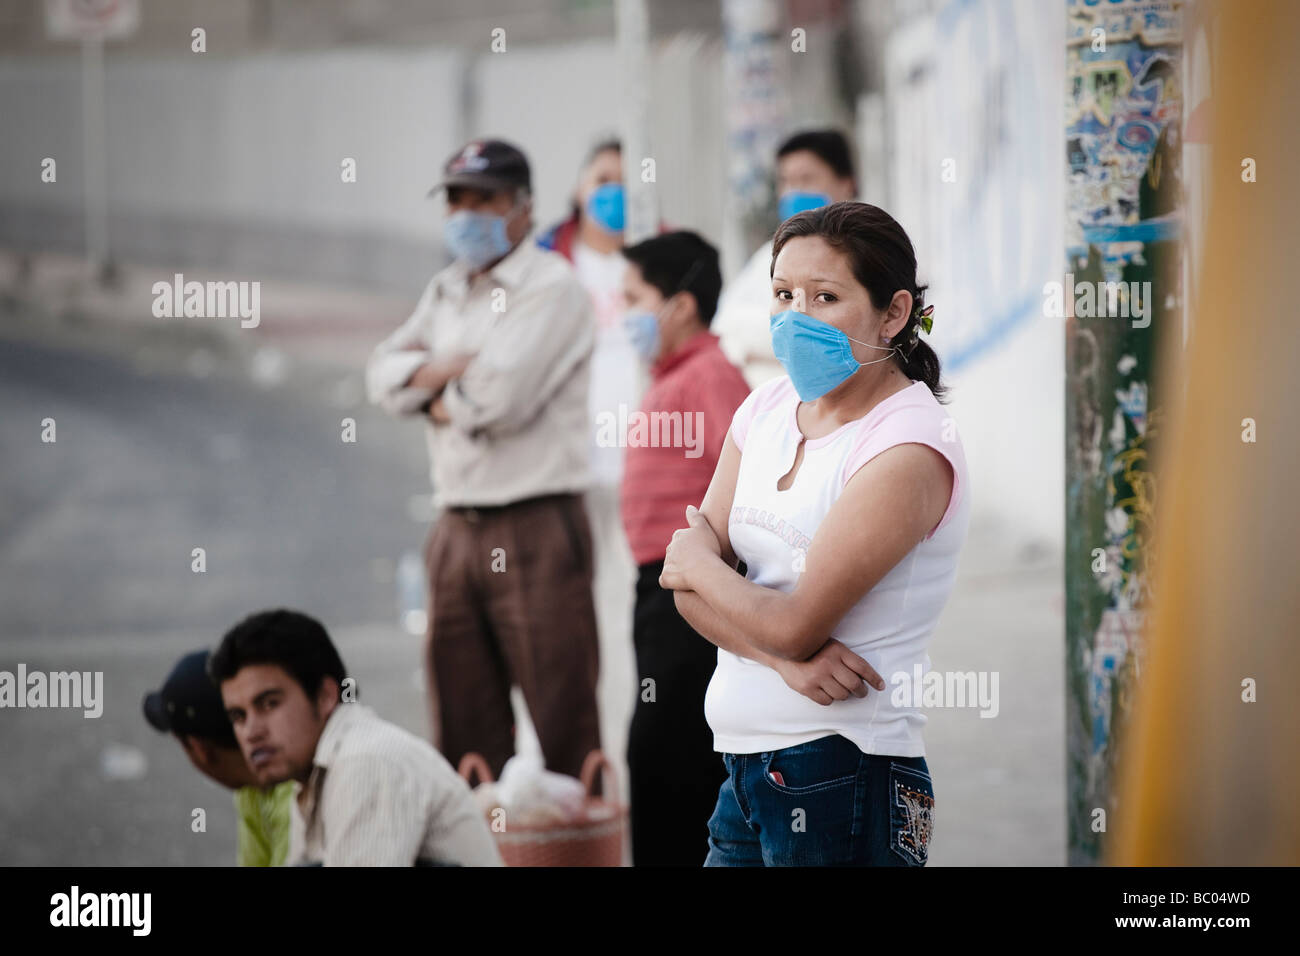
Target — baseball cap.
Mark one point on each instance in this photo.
(489, 164)
(189, 703)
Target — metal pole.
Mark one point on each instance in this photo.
(642, 213)
(93, 155)
(756, 114)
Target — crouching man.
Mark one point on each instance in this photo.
(368, 792)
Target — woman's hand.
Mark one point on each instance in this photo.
(688, 549)
(833, 673)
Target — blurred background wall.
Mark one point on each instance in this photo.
(230, 159)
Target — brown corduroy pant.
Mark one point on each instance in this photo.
(510, 602)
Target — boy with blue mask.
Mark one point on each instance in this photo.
(673, 441)
(814, 168)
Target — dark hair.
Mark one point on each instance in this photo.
(226, 741)
(883, 261)
(828, 145)
(680, 262)
(604, 145)
(296, 642)
(610, 143)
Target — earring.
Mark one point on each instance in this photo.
(886, 338)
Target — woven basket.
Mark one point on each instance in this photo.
(594, 839)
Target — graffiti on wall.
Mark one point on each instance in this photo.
(1123, 130)
(1123, 105)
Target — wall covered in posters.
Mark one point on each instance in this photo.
(1123, 140)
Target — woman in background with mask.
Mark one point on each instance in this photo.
(842, 486)
(591, 239)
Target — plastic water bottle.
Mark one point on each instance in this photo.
(411, 607)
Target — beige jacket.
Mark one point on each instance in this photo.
(519, 413)
(380, 796)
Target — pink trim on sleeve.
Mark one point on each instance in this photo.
(740, 421)
(764, 398)
(913, 425)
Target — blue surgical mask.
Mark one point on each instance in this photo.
(797, 201)
(816, 355)
(605, 207)
(643, 331)
(475, 238)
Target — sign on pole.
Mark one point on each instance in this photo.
(642, 210)
(91, 19)
(92, 22)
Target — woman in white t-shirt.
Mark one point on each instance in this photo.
(842, 487)
(591, 238)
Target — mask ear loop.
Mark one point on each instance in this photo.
(892, 348)
(681, 286)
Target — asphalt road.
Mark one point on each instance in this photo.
(153, 459)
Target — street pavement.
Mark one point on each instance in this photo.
(170, 443)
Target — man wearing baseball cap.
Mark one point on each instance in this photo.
(189, 707)
(496, 360)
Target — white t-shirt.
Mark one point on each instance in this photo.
(748, 705)
(616, 373)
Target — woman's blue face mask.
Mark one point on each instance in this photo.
(816, 355)
(605, 207)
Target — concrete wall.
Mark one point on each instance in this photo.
(236, 162)
(975, 173)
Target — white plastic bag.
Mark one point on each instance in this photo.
(534, 796)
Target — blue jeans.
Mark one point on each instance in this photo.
(829, 804)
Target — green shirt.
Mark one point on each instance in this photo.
(263, 817)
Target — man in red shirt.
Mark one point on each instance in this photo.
(673, 442)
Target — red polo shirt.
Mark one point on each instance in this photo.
(674, 440)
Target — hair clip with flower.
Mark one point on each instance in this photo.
(925, 319)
